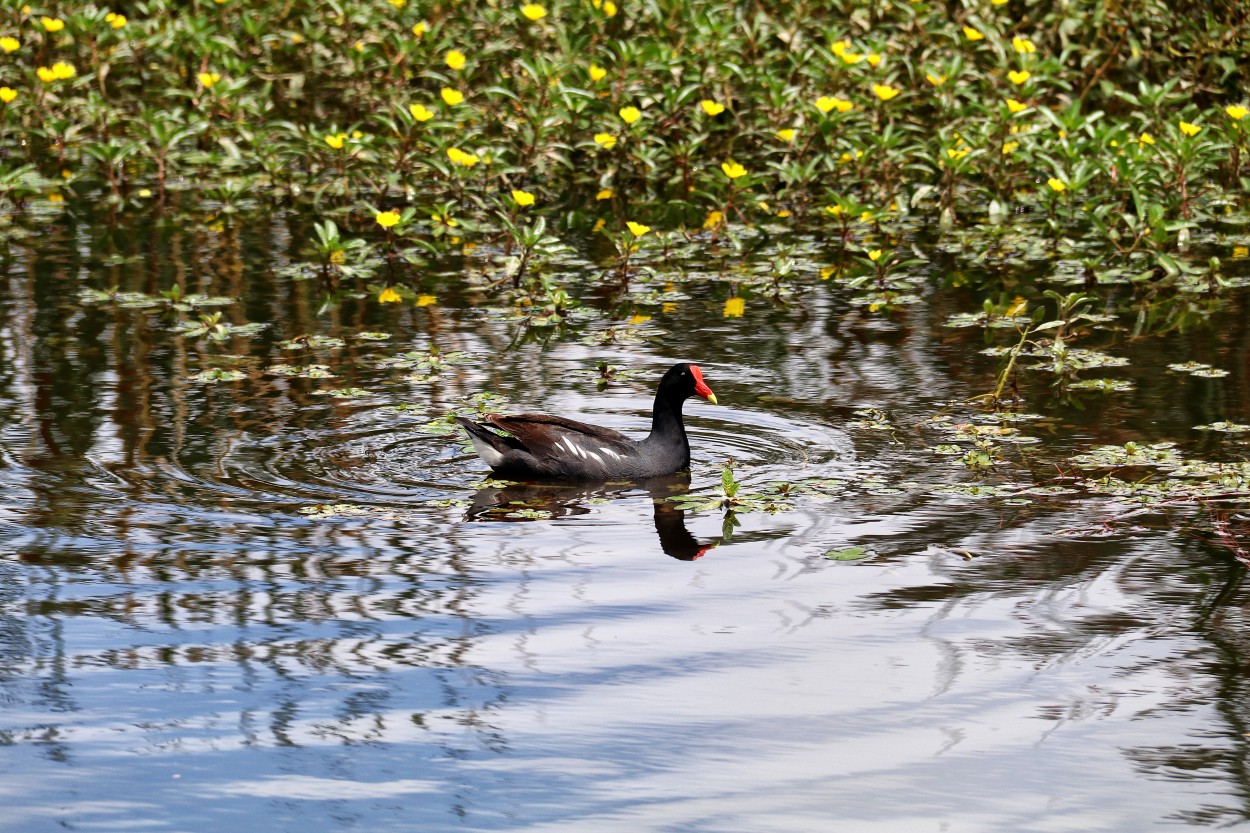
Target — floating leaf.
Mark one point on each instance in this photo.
(848, 554)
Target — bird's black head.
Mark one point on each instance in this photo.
(685, 380)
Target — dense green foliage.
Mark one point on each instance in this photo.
(877, 108)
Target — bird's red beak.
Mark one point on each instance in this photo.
(700, 386)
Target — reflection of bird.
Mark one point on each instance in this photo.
(550, 447)
(561, 500)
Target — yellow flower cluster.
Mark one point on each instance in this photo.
(60, 71)
(462, 158)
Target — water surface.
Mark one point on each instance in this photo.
(256, 604)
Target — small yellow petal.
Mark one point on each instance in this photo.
(734, 307)
(972, 34)
(451, 97)
(597, 73)
(604, 194)
(630, 114)
(420, 112)
(1057, 185)
(1190, 129)
(1018, 77)
(389, 296)
(455, 59)
(637, 229)
(884, 91)
(523, 198)
(533, 11)
(711, 107)
(733, 170)
(386, 219)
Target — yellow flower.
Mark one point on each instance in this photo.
(208, 79)
(850, 57)
(972, 34)
(865, 216)
(1016, 106)
(609, 8)
(999, 2)
(713, 219)
(10, 44)
(117, 21)
(597, 73)
(1189, 129)
(1057, 185)
(56, 198)
(455, 59)
(7, 94)
(826, 103)
(1146, 139)
(419, 29)
(733, 170)
(1023, 46)
(533, 11)
(1010, 148)
(458, 156)
(1237, 111)
(389, 296)
(630, 114)
(420, 112)
(336, 140)
(874, 255)
(840, 46)
(52, 24)
(786, 134)
(734, 307)
(604, 194)
(607, 140)
(522, 198)
(62, 71)
(637, 229)
(1241, 251)
(1018, 77)
(451, 97)
(833, 210)
(639, 318)
(884, 91)
(935, 80)
(599, 224)
(874, 59)
(711, 107)
(957, 153)
(386, 219)
(45, 75)
(426, 300)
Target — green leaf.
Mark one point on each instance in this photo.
(848, 554)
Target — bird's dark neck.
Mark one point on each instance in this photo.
(666, 425)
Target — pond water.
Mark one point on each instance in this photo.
(292, 603)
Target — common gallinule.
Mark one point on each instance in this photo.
(554, 448)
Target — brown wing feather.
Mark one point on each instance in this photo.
(540, 432)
